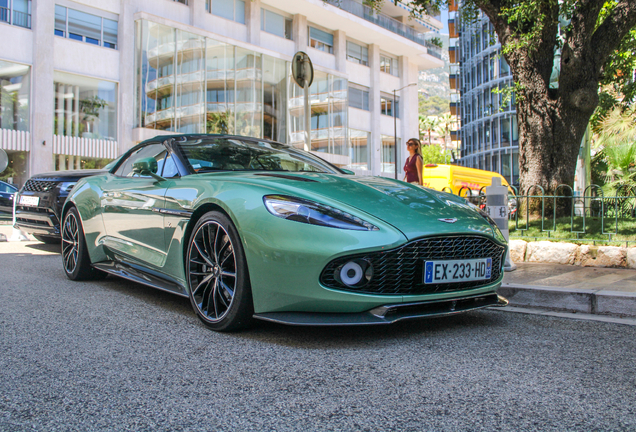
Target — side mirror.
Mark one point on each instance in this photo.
(147, 167)
(348, 172)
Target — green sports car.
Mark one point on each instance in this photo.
(254, 229)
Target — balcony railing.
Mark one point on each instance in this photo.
(5, 13)
(388, 23)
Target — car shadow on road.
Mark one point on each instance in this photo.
(352, 336)
(333, 337)
(44, 247)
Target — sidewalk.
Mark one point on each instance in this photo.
(591, 290)
(569, 288)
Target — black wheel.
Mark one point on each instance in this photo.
(217, 274)
(47, 239)
(75, 259)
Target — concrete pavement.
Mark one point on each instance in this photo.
(567, 288)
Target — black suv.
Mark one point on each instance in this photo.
(40, 202)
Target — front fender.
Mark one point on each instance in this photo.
(87, 199)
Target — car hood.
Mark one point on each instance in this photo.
(414, 210)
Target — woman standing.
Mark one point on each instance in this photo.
(413, 165)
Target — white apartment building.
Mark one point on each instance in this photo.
(83, 81)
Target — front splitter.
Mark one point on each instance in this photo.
(386, 314)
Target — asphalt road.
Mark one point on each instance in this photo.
(114, 355)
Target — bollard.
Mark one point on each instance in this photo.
(497, 209)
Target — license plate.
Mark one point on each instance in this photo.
(29, 201)
(449, 271)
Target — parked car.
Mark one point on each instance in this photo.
(39, 207)
(7, 191)
(254, 229)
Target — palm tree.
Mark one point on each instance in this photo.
(444, 124)
(427, 125)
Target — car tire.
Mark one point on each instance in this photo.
(47, 239)
(75, 259)
(217, 274)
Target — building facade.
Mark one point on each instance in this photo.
(83, 81)
(486, 112)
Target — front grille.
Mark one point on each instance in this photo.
(400, 271)
(34, 185)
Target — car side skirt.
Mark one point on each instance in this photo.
(387, 314)
(142, 275)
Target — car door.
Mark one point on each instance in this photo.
(131, 208)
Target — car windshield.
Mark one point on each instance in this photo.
(235, 154)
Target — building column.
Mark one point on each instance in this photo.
(409, 119)
(198, 12)
(340, 50)
(42, 90)
(253, 21)
(126, 86)
(299, 30)
(375, 145)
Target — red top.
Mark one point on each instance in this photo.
(410, 168)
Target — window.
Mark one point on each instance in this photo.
(276, 24)
(233, 10)
(21, 15)
(85, 27)
(359, 149)
(15, 80)
(386, 106)
(185, 2)
(84, 107)
(359, 97)
(357, 53)
(389, 65)
(388, 153)
(320, 40)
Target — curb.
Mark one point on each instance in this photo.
(563, 299)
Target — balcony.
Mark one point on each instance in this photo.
(388, 23)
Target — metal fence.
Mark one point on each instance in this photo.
(590, 216)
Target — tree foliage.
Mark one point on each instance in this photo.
(591, 43)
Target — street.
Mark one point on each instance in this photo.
(115, 355)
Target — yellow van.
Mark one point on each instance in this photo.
(458, 179)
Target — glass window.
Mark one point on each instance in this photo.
(276, 24)
(85, 107)
(386, 106)
(505, 132)
(359, 98)
(15, 80)
(320, 40)
(388, 153)
(60, 21)
(85, 27)
(359, 149)
(389, 65)
(357, 53)
(229, 9)
(21, 15)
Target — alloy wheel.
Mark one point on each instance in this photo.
(212, 271)
(70, 242)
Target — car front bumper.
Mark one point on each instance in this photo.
(387, 314)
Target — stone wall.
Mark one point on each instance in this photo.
(570, 253)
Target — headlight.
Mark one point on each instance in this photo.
(300, 210)
(495, 229)
(65, 187)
